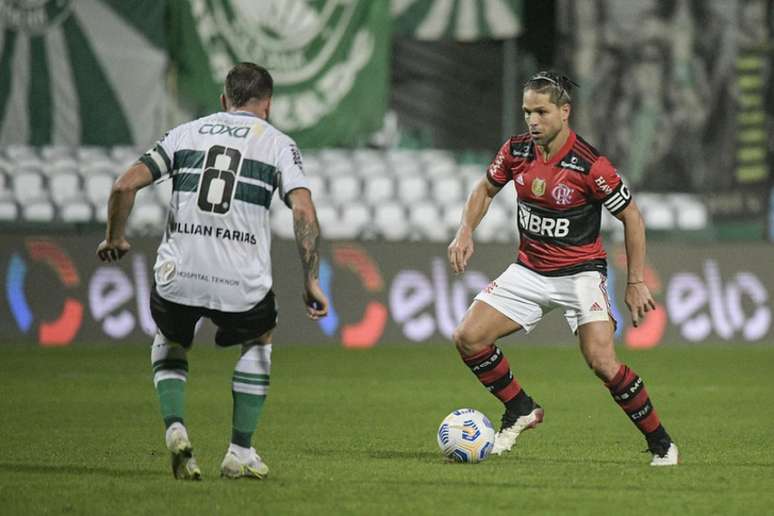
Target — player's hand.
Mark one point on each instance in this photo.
(315, 300)
(460, 250)
(639, 301)
(112, 251)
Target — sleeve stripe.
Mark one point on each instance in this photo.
(164, 156)
(160, 161)
(146, 160)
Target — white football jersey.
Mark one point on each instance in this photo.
(224, 169)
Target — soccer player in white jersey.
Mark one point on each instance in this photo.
(214, 259)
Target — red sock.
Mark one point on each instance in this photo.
(629, 392)
(493, 371)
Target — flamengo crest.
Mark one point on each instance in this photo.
(562, 194)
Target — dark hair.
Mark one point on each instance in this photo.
(247, 81)
(557, 86)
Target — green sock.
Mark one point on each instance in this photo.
(247, 411)
(172, 400)
(249, 387)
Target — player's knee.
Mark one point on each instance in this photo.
(168, 359)
(605, 367)
(163, 346)
(466, 342)
(261, 340)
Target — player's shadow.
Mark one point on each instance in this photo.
(72, 469)
(626, 462)
(422, 456)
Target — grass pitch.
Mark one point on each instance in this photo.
(353, 432)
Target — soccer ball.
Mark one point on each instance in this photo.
(466, 435)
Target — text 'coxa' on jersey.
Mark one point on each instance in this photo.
(224, 170)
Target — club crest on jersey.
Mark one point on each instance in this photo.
(562, 194)
(165, 273)
(538, 187)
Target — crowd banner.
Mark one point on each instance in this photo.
(329, 60)
(468, 21)
(56, 293)
(684, 84)
(82, 72)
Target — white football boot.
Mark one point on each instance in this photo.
(511, 428)
(670, 457)
(234, 466)
(184, 466)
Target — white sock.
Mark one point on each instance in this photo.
(174, 426)
(242, 453)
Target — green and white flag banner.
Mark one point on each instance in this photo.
(328, 58)
(458, 20)
(81, 72)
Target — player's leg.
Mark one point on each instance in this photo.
(492, 315)
(170, 374)
(249, 387)
(474, 338)
(627, 388)
(249, 383)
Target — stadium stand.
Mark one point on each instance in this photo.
(379, 189)
(369, 194)
(390, 221)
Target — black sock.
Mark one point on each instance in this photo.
(659, 435)
(521, 404)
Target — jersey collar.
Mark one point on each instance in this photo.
(559, 155)
(242, 113)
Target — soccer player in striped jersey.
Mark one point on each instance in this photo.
(562, 184)
(214, 259)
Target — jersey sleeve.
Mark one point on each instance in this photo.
(291, 170)
(499, 171)
(159, 158)
(607, 186)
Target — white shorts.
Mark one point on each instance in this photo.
(526, 296)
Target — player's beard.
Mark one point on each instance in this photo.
(545, 138)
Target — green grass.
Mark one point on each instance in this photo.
(353, 432)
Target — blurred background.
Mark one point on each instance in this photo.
(398, 106)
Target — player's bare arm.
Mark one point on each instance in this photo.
(638, 297)
(120, 203)
(461, 248)
(307, 231)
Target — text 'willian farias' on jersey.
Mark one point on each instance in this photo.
(560, 202)
(224, 170)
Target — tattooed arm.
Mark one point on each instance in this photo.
(307, 231)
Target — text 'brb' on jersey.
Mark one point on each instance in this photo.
(224, 169)
(560, 203)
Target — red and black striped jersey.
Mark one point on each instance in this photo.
(560, 202)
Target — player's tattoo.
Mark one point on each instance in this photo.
(308, 238)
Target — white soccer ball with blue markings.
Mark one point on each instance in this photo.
(466, 435)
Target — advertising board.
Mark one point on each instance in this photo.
(56, 293)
